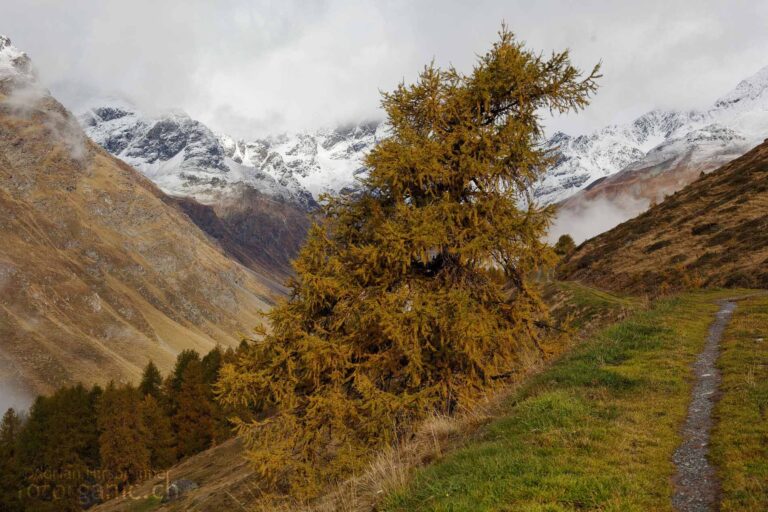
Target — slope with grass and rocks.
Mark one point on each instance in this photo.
(99, 271)
(711, 233)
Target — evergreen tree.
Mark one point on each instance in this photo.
(565, 245)
(393, 311)
(151, 381)
(57, 447)
(212, 364)
(160, 439)
(11, 476)
(184, 358)
(123, 437)
(193, 421)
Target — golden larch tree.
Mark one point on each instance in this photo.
(394, 311)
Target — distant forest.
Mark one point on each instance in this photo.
(81, 446)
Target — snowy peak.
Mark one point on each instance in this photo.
(185, 158)
(705, 138)
(14, 63)
(747, 91)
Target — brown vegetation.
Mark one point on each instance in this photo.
(98, 273)
(712, 233)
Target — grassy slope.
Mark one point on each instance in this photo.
(714, 232)
(595, 431)
(740, 436)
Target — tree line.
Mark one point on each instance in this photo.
(80, 446)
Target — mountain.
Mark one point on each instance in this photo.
(623, 169)
(256, 194)
(100, 271)
(714, 232)
(186, 158)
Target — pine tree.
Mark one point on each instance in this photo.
(11, 476)
(212, 364)
(151, 381)
(185, 358)
(123, 437)
(393, 312)
(161, 442)
(193, 421)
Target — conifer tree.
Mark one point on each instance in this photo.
(123, 437)
(151, 381)
(565, 245)
(393, 312)
(57, 447)
(193, 421)
(11, 476)
(212, 364)
(185, 357)
(161, 442)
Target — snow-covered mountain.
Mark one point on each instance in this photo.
(704, 139)
(186, 158)
(14, 64)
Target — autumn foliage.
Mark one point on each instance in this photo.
(397, 308)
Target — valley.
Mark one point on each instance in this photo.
(450, 305)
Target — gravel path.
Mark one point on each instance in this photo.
(696, 485)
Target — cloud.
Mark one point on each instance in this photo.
(256, 66)
(592, 217)
(28, 98)
(10, 397)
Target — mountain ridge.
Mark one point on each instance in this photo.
(99, 272)
(710, 233)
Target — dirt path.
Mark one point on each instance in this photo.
(696, 485)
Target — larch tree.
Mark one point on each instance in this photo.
(396, 309)
(193, 421)
(123, 437)
(161, 441)
(151, 381)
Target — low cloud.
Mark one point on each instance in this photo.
(247, 66)
(589, 218)
(11, 396)
(28, 97)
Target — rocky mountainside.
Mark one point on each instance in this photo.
(617, 172)
(662, 140)
(256, 194)
(100, 271)
(186, 158)
(714, 232)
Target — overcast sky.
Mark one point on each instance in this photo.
(255, 67)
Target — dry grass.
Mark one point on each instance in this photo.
(392, 468)
(98, 273)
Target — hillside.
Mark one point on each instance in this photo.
(601, 429)
(711, 233)
(615, 173)
(100, 272)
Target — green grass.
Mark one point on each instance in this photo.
(740, 435)
(581, 306)
(596, 431)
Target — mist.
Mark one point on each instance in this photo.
(28, 97)
(589, 218)
(17, 399)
